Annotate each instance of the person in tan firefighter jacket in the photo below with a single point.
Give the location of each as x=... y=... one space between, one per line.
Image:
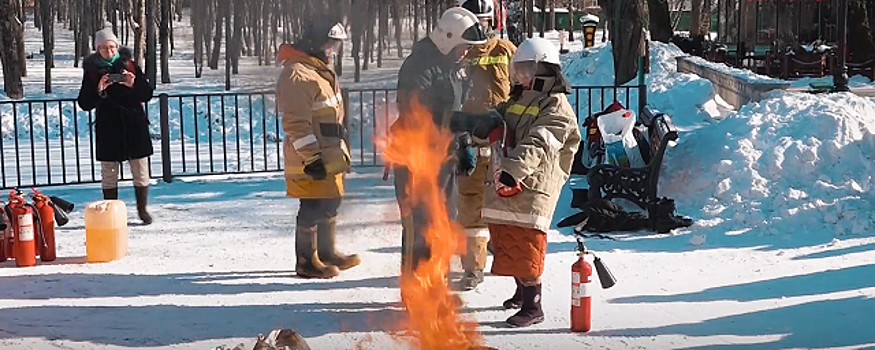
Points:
x=316 y=155
x=488 y=71
x=434 y=76
x=533 y=146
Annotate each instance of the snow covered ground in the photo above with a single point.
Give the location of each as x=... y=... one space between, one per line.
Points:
x=781 y=255
x=218 y=267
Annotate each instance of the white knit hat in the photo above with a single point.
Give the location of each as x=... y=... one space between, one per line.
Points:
x=103 y=36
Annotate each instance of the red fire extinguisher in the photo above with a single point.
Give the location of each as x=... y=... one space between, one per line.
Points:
x=581 y=300
x=23 y=228
x=581 y=287
x=46 y=218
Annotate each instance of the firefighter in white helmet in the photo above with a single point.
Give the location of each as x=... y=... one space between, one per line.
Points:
x=316 y=155
x=433 y=74
x=488 y=69
x=540 y=136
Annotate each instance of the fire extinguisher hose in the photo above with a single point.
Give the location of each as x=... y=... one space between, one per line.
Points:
x=41 y=230
x=3 y=224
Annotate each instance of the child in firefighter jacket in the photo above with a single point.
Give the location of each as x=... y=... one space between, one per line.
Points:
x=533 y=149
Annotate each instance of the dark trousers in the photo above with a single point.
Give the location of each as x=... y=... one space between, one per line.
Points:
x=414 y=216
x=315 y=210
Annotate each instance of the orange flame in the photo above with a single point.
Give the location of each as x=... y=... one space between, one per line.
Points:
x=433 y=313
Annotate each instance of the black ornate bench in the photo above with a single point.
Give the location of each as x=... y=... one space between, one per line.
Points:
x=638 y=185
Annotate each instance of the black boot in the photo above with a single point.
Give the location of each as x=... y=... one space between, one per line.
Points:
x=516 y=301
x=142 y=194
x=110 y=193
x=308 y=264
x=662 y=216
x=531 y=312
x=325 y=241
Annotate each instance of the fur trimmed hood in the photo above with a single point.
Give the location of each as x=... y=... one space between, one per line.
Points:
x=91 y=63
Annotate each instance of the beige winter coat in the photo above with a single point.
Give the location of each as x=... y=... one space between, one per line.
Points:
x=544 y=128
x=309 y=99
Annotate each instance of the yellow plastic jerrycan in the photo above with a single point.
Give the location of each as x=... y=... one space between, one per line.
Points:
x=106 y=230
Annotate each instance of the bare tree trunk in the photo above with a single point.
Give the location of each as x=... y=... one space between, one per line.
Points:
x=11 y=65
x=237 y=41
x=530 y=17
x=396 y=20
x=860 y=44
x=74 y=26
x=660 y=20
x=112 y=15
x=84 y=29
x=369 y=34
x=551 y=25
x=627 y=39
x=357 y=26
x=37 y=21
x=427 y=11
x=267 y=16
x=695 y=17
x=18 y=33
x=151 y=42
x=383 y=27
x=705 y=25
x=574 y=20
x=165 y=38
x=198 y=22
x=226 y=10
x=139 y=23
x=170 y=28
x=416 y=20
x=542 y=4
x=256 y=30
x=47 y=20
x=219 y=12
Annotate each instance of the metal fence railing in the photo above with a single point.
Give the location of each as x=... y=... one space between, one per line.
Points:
x=52 y=142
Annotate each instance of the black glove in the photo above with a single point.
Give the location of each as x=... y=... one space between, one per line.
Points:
x=479 y=125
x=316 y=169
x=507 y=179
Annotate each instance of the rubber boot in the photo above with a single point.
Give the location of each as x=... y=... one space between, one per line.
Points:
x=473 y=262
x=516 y=301
x=531 y=312
x=110 y=193
x=142 y=194
x=325 y=241
x=308 y=264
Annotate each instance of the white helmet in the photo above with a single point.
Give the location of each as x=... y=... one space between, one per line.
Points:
x=537 y=50
x=457 y=26
x=337 y=32
x=480 y=8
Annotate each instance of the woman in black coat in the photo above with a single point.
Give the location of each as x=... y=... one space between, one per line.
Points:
x=117 y=89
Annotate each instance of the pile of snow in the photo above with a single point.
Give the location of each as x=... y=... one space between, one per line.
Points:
x=792 y=162
x=688 y=98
